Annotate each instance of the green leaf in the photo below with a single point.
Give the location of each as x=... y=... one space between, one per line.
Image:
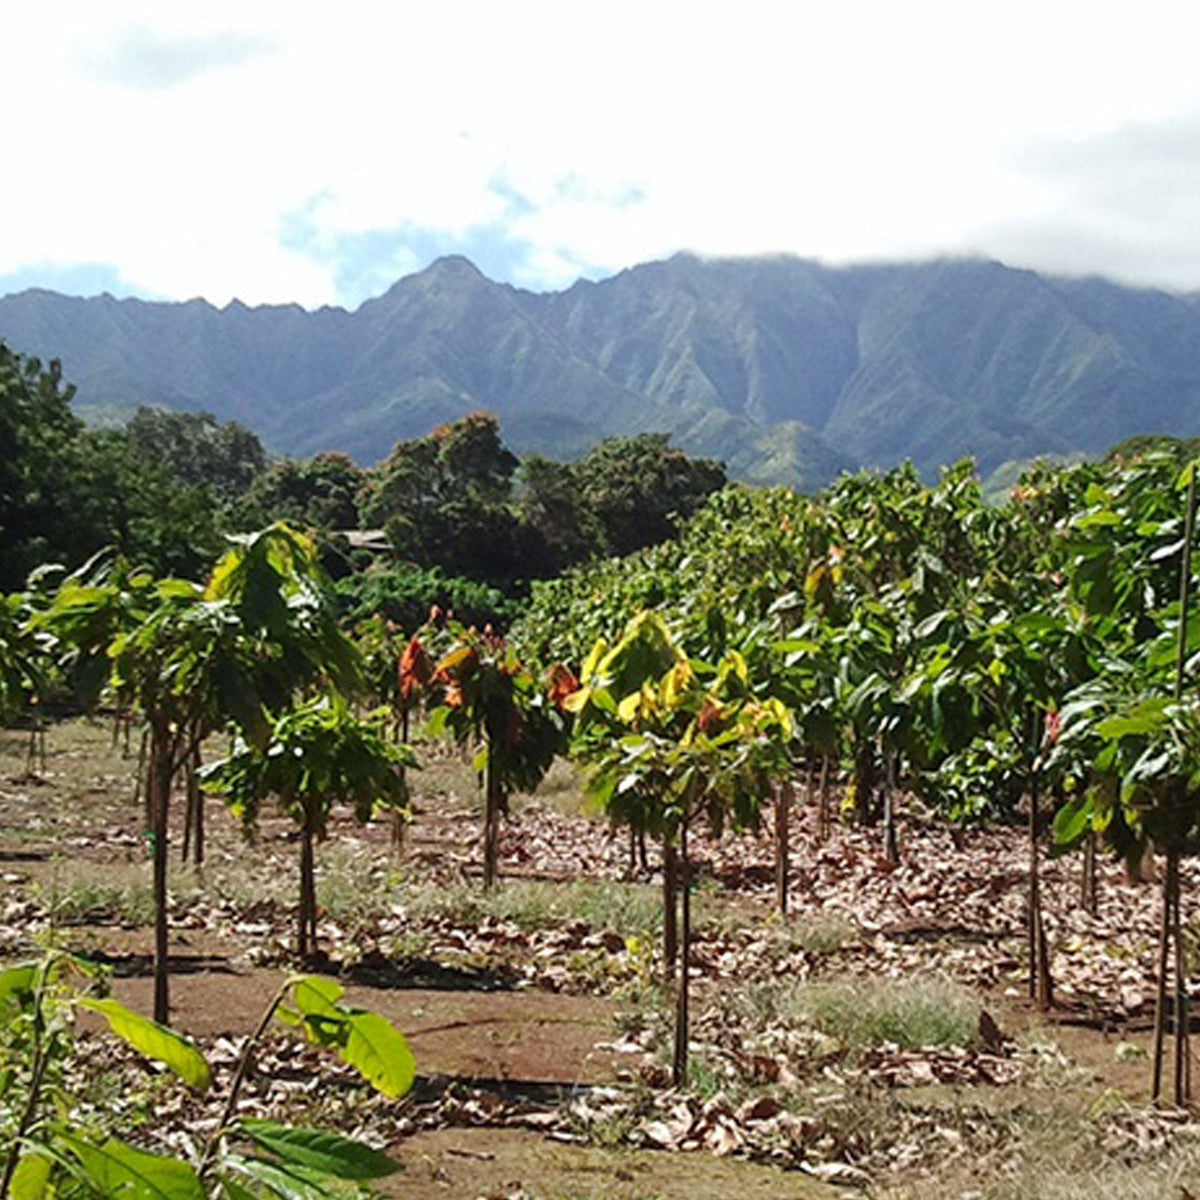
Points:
x=232 y=1190
x=1072 y=821
x=16 y=985
x=1145 y=719
x=282 y=1180
x=378 y=1051
x=1106 y=518
x=155 y=1041
x=319 y=1149
x=364 y=1040
x=31 y=1176
x=317 y=1009
x=314 y=994
x=118 y=1171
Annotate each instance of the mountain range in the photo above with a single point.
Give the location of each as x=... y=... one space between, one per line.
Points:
x=786 y=369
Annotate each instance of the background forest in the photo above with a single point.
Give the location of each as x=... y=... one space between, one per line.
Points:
x=459 y=520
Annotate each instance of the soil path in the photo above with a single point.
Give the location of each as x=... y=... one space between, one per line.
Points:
x=526 y=1036
x=472 y=1164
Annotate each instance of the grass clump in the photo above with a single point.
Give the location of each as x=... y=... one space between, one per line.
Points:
x=912 y=1014
x=821 y=934
x=624 y=908
x=85 y=899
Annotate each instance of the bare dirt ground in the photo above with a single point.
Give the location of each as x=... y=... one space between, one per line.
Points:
x=536 y=1019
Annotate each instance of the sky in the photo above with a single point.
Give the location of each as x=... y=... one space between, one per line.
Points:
x=295 y=153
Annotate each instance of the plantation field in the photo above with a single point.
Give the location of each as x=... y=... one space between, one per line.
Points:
x=876 y=1039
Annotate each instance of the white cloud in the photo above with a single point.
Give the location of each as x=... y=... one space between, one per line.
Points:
x=180 y=145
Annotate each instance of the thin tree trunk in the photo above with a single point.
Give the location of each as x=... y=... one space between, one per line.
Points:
x=400 y=819
x=679 y=1065
x=864 y=784
x=493 y=805
x=1166 y=925
x=140 y=790
x=1040 y=983
x=1089 y=894
x=37 y=746
x=158 y=797
x=1182 y=1064
x=823 y=820
x=670 y=924
x=306 y=924
x=891 y=845
x=783 y=812
x=1170 y=930
x=194 y=783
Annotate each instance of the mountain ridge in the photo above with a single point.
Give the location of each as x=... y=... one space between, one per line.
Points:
x=787 y=369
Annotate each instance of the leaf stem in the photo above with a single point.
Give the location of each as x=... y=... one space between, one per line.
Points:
x=41 y=1061
x=239 y=1077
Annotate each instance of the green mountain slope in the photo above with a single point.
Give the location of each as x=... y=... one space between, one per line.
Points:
x=788 y=370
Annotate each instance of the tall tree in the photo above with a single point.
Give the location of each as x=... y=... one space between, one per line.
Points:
x=640 y=487
x=444 y=500
x=318 y=493
x=196 y=448
x=39 y=519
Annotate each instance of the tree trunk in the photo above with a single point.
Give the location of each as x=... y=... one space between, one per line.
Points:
x=1041 y=988
x=306 y=923
x=493 y=807
x=783 y=812
x=670 y=924
x=824 y=819
x=1182 y=1058
x=1089 y=893
x=159 y=770
x=141 y=791
x=1171 y=943
x=891 y=845
x=198 y=832
x=679 y=1063
x=864 y=784
x=400 y=819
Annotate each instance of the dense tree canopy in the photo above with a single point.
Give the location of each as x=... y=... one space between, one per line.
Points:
x=38 y=469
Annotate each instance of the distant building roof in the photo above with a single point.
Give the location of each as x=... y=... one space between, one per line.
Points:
x=365 y=539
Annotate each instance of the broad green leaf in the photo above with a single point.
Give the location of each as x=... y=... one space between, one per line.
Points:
x=155 y=1041
x=316 y=994
x=319 y=1149
x=796 y=646
x=1105 y=518
x=118 y=1171
x=286 y=1181
x=1072 y=821
x=232 y=1190
x=1145 y=719
x=317 y=1009
x=31 y=1176
x=17 y=984
x=378 y=1051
